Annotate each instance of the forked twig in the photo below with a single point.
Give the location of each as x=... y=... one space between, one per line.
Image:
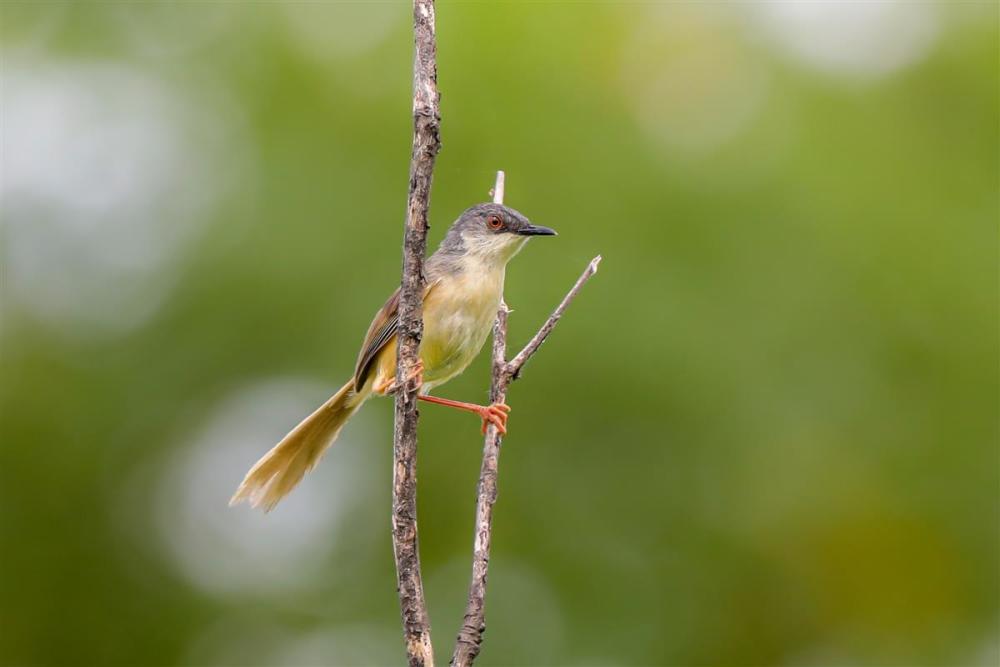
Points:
x=470 y=636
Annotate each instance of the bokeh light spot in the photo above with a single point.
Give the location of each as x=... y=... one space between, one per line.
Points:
x=225 y=550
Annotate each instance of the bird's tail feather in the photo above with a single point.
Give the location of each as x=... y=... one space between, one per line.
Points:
x=278 y=471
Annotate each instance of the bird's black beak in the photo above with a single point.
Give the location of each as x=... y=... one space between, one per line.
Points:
x=536 y=230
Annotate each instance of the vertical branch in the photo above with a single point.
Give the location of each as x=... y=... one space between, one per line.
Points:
x=470 y=636
x=426 y=143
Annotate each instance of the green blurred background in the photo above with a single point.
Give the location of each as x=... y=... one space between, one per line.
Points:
x=765 y=434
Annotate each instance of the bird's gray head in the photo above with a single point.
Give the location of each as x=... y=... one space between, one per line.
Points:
x=490 y=232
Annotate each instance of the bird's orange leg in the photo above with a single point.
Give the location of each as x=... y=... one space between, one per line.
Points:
x=495 y=414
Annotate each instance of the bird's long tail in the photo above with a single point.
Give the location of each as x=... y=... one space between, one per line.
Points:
x=278 y=471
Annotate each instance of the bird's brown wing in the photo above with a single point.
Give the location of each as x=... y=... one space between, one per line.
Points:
x=381 y=332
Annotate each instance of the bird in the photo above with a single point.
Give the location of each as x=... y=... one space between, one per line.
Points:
x=464 y=289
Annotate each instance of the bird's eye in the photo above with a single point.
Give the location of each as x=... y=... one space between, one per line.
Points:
x=494 y=222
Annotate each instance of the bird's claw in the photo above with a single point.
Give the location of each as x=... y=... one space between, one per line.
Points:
x=392 y=386
x=417 y=374
x=495 y=414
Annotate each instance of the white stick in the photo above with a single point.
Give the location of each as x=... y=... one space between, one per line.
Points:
x=497 y=190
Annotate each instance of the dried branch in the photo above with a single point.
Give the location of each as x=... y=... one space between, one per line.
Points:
x=515 y=365
x=470 y=636
x=426 y=144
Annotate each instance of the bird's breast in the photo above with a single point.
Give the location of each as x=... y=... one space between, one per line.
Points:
x=458 y=316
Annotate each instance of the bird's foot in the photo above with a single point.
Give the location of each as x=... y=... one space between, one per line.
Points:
x=417 y=374
x=381 y=387
x=495 y=414
x=390 y=386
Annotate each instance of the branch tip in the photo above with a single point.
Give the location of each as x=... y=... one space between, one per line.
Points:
x=497 y=191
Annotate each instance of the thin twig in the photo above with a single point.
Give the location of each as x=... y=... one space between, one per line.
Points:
x=470 y=637
x=515 y=364
x=426 y=144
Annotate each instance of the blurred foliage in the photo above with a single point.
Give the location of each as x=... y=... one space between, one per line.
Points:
x=766 y=433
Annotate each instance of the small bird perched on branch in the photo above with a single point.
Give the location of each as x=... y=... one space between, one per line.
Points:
x=465 y=279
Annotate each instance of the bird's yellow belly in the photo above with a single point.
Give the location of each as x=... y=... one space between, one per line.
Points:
x=458 y=316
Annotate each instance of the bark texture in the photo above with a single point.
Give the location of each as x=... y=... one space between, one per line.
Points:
x=470 y=637
x=426 y=144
